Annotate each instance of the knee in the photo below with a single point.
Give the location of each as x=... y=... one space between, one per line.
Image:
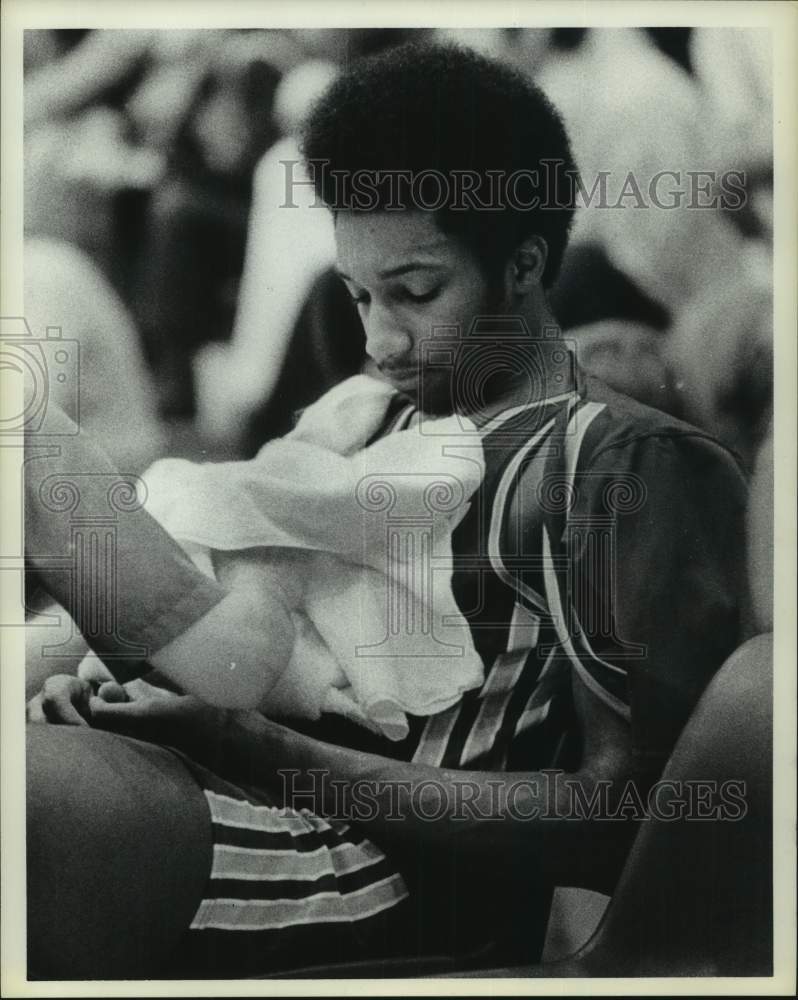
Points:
x=730 y=732
x=741 y=690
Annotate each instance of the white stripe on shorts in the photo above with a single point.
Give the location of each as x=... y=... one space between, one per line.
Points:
x=322 y=908
x=243 y=815
x=257 y=864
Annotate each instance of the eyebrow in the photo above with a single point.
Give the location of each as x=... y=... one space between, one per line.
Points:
x=395 y=272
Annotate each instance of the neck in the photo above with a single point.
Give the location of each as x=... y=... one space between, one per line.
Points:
x=545 y=369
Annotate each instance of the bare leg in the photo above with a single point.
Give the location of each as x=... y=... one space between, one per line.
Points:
x=119 y=851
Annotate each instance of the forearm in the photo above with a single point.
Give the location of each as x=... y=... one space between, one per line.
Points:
x=227 y=647
x=230 y=657
x=534 y=815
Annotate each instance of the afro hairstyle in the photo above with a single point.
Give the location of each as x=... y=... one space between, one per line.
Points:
x=418 y=109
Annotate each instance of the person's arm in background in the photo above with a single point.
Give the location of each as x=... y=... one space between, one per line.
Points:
x=209 y=641
x=99 y=61
x=289 y=244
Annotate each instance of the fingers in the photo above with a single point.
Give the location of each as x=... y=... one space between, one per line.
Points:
x=112 y=692
x=101 y=710
x=65 y=700
x=34 y=712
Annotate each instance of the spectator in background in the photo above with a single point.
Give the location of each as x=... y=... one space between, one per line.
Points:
x=90 y=135
x=681 y=315
x=720 y=348
x=632 y=109
x=149 y=76
x=43 y=45
x=193 y=250
x=287 y=249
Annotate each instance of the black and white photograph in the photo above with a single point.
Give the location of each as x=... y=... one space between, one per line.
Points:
x=393 y=419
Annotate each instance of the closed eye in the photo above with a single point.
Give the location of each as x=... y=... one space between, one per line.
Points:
x=425 y=296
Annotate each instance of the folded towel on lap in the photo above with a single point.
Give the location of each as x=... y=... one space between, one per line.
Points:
x=357 y=537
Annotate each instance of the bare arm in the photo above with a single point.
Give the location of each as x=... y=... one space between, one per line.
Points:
x=531 y=815
x=224 y=644
x=100 y=60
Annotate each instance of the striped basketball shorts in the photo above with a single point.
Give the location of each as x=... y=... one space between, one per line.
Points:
x=287 y=889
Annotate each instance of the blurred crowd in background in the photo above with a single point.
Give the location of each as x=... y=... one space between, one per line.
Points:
x=207 y=315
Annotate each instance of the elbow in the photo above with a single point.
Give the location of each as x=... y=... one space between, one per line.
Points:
x=254 y=663
x=239 y=686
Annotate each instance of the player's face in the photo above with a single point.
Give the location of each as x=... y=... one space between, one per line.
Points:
x=407 y=279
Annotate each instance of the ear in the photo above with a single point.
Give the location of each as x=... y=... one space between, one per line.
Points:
x=527 y=266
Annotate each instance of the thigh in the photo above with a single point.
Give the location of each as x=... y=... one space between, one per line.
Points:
x=118 y=854
x=288 y=889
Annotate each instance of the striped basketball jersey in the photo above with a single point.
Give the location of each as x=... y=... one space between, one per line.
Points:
x=602 y=547
x=605 y=541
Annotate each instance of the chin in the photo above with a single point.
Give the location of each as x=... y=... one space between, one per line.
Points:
x=431 y=403
x=434 y=396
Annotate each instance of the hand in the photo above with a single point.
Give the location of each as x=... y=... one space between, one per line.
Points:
x=94 y=672
x=156 y=715
x=64 y=700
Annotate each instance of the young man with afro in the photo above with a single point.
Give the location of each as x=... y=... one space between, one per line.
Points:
x=598 y=569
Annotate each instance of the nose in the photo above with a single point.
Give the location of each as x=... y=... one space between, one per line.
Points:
x=386 y=339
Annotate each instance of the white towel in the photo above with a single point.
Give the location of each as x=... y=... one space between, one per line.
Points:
x=360 y=540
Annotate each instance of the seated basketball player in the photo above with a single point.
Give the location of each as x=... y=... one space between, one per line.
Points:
x=597 y=567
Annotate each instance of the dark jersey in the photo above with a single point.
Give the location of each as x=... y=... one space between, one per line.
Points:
x=606 y=539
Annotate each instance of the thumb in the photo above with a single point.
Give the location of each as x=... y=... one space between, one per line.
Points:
x=110 y=691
